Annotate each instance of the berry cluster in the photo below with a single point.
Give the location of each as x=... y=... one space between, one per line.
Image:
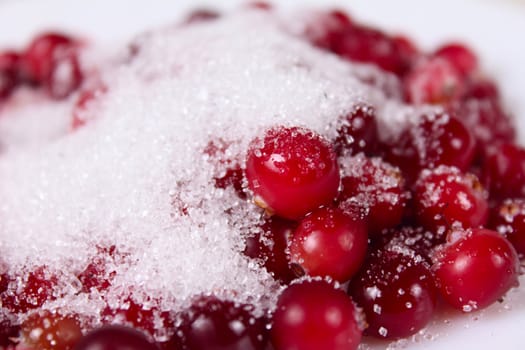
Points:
x=437 y=212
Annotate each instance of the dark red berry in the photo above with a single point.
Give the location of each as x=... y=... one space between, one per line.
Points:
x=475 y=269
x=357 y=132
x=51 y=60
x=9 y=334
x=396 y=292
x=330 y=242
x=504 y=171
x=433 y=81
x=312 y=315
x=509 y=219
x=445 y=197
x=460 y=56
x=412 y=239
x=50 y=331
x=215 y=324
x=292 y=171
x=377 y=188
x=367 y=45
x=435 y=139
x=115 y=338
x=270 y=247
x=9 y=72
x=30 y=291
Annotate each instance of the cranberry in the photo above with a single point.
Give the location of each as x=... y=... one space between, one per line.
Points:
x=509 y=219
x=368 y=45
x=202 y=15
x=326 y=27
x=96 y=275
x=476 y=268
x=9 y=334
x=377 y=187
x=504 y=171
x=436 y=139
x=482 y=89
x=270 y=247
x=396 y=292
x=9 y=71
x=486 y=119
x=330 y=242
x=407 y=50
x=357 y=132
x=434 y=81
x=460 y=56
x=313 y=315
x=51 y=60
x=30 y=292
x=413 y=239
x=215 y=324
x=445 y=197
x=46 y=330
x=292 y=171
x=115 y=338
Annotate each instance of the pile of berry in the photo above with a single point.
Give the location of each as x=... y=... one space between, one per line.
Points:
x=365 y=233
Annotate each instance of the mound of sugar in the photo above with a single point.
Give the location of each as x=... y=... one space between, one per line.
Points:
x=137 y=177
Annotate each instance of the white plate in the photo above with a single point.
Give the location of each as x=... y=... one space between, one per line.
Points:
x=493 y=28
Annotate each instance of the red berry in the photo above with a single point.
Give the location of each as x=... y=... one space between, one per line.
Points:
x=396 y=292
x=215 y=324
x=50 y=331
x=377 y=188
x=270 y=247
x=9 y=72
x=330 y=242
x=30 y=291
x=115 y=338
x=368 y=45
x=413 y=239
x=97 y=274
x=504 y=171
x=51 y=60
x=460 y=56
x=292 y=171
x=509 y=219
x=436 y=139
x=326 y=27
x=482 y=89
x=357 y=132
x=313 y=315
x=434 y=81
x=407 y=50
x=445 y=197
x=475 y=269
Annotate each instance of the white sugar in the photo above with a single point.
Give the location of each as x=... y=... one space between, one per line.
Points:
x=136 y=176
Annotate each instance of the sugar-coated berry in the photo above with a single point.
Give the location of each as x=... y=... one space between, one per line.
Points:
x=475 y=268
x=446 y=197
x=312 y=315
x=215 y=324
x=508 y=218
x=397 y=293
x=330 y=242
x=292 y=171
x=115 y=338
x=46 y=330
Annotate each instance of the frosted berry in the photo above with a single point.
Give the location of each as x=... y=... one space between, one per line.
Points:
x=509 y=219
x=460 y=56
x=434 y=81
x=397 y=294
x=330 y=242
x=357 y=132
x=51 y=60
x=504 y=171
x=211 y=323
x=475 y=269
x=446 y=197
x=115 y=338
x=415 y=239
x=292 y=171
x=312 y=315
x=270 y=247
x=45 y=330
x=376 y=187
x=9 y=72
